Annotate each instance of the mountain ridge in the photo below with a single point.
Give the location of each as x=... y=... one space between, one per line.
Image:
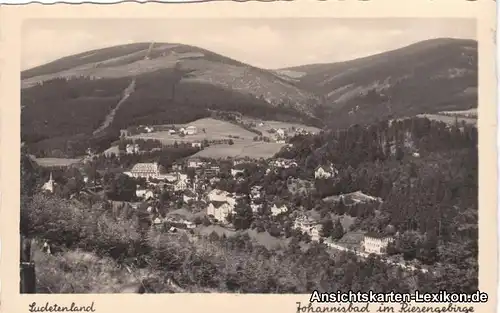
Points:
x=175 y=83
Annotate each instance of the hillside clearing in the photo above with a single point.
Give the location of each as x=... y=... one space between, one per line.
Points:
x=277 y=124
x=49 y=162
x=214 y=130
x=262 y=238
x=241 y=149
x=448 y=119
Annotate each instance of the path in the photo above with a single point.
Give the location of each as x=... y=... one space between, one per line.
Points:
x=366 y=255
x=126 y=93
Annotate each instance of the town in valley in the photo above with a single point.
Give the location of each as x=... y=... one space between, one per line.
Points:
x=158 y=168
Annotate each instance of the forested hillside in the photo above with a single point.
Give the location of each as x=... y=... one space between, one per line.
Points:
x=425 y=173
x=429 y=76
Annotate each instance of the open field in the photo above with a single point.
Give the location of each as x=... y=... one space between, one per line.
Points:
x=470 y=111
x=449 y=119
x=263 y=238
x=241 y=149
x=49 y=162
x=277 y=124
x=214 y=130
x=243 y=146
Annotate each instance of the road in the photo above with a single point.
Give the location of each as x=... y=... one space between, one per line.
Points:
x=366 y=255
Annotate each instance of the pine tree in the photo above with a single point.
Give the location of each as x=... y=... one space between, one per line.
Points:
x=338 y=230
x=326 y=228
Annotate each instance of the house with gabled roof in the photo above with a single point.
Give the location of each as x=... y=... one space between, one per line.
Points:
x=146 y=170
x=325 y=172
x=376 y=243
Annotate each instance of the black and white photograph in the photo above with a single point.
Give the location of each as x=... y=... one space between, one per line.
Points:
x=249 y=155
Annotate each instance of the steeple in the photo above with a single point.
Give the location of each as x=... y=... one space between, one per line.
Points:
x=49 y=185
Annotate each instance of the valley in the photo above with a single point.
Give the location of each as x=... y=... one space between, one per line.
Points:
x=201 y=173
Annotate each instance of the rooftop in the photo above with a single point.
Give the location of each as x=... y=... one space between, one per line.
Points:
x=145 y=167
x=376 y=235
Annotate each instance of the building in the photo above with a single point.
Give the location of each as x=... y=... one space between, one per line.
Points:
x=220 y=210
x=276 y=210
x=308 y=226
x=177 y=167
x=196 y=144
x=236 y=172
x=221 y=196
x=158 y=223
x=49 y=185
x=190 y=130
x=144 y=194
x=195 y=163
x=132 y=148
x=283 y=163
x=325 y=172
x=146 y=170
x=376 y=243
x=181 y=183
x=212 y=171
x=238 y=162
x=255 y=192
x=187 y=199
x=221 y=204
x=256 y=207
x=280 y=133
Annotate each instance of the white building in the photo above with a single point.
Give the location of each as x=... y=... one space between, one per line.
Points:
x=49 y=185
x=221 y=204
x=145 y=194
x=283 y=163
x=190 y=130
x=146 y=170
x=308 y=226
x=220 y=210
x=375 y=243
x=255 y=207
x=324 y=172
x=255 y=192
x=239 y=161
x=195 y=163
x=236 y=172
x=275 y=210
x=280 y=132
x=132 y=148
x=196 y=144
x=187 y=199
x=181 y=182
x=220 y=196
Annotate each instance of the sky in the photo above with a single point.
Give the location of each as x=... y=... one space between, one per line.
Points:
x=267 y=43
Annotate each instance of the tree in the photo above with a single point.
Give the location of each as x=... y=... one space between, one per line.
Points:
x=428 y=252
x=326 y=228
x=408 y=245
x=338 y=230
x=243 y=216
x=340 y=208
x=119 y=187
x=231 y=142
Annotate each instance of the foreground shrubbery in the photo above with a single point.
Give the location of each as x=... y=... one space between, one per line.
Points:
x=197 y=264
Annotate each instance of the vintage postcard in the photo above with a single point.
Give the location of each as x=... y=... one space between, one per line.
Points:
x=303 y=156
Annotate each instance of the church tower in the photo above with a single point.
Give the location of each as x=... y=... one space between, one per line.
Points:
x=49 y=185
